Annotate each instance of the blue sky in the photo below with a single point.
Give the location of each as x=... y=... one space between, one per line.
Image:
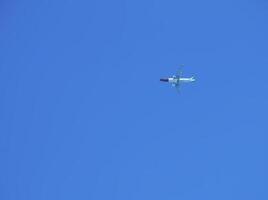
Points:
x=84 y=116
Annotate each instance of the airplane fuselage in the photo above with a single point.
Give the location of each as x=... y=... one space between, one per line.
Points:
x=175 y=80
x=187 y=80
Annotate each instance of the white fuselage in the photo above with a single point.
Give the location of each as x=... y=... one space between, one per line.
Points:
x=180 y=80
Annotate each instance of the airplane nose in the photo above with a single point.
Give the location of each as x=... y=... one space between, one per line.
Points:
x=164 y=79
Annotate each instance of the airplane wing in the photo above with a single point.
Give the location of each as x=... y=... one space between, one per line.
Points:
x=178 y=75
x=177 y=87
x=179 y=72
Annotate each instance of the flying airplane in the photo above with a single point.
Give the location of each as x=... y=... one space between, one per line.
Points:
x=177 y=79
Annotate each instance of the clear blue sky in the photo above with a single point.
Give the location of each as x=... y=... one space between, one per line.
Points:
x=84 y=116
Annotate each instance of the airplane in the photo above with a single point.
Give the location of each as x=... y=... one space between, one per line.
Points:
x=177 y=79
